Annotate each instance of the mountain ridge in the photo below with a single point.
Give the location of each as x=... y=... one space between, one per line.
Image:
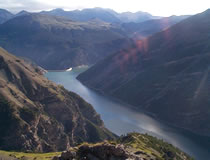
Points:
x=5 y=15
x=107 y=15
x=59 y=43
x=145 y=29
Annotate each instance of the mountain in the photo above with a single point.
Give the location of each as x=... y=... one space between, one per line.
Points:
x=150 y=27
x=106 y=15
x=137 y=17
x=37 y=115
x=21 y=13
x=5 y=15
x=85 y=14
x=133 y=146
x=58 y=43
x=166 y=74
x=135 y=24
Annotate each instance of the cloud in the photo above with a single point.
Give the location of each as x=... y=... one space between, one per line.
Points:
x=157 y=7
x=29 y=5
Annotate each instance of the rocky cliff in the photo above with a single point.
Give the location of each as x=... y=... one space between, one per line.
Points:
x=37 y=115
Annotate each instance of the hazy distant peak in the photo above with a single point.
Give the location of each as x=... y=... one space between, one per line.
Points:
x=5 y=15
x=104 y=14
x=135 y=17
x=207 y=11
x=23 y=12
x=174 y=17
x=99 y=9
x=4 y=10
x=58 y=10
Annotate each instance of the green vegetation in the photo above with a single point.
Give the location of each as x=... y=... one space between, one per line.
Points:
x=28 y=156
x=144 y=143
x=131 y=146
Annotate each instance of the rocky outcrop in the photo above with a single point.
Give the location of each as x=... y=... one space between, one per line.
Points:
x=131 y=147
x=104 y=151
x=38 y=115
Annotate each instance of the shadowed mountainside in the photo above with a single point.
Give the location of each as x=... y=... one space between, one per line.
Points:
x=142 y=30
x=58 y=43
x=166 y=74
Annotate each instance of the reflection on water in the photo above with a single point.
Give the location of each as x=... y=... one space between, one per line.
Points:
x=120 y=119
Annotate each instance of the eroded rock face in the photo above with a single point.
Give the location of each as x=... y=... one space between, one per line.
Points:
x=103 y=151
x=38 y=115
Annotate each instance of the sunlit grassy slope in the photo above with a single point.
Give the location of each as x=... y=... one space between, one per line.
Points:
x=5 y=155
x=144 y=145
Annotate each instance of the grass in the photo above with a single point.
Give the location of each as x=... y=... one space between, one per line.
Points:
x=147 y=146
x=28 y=156
x=152 y=146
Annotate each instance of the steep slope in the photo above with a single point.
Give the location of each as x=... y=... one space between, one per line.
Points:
x=37 y=115
x=150 y=27
x=58 y=43
x=133 y=146
x=166 y=74
x=5 y=15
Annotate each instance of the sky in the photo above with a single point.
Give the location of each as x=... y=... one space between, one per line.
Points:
x=155 y=7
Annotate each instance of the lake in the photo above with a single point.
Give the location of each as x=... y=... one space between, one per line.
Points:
x=120 y=119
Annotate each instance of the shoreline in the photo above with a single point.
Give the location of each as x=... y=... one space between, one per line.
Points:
x=140 y=110
x=134 y=108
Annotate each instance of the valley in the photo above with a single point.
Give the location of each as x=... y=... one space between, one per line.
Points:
x=119 y=118
x=54 y=41
x=81 y=83
x=164 y=74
